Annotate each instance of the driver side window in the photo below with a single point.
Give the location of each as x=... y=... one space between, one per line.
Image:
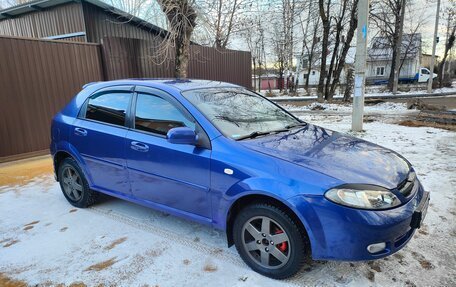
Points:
x=157 y=115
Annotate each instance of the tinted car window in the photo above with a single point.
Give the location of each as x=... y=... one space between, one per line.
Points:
x=157 y=115
x=238 y=112
x=108 y=108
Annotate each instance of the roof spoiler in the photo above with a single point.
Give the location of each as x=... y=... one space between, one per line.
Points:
x=88 y=84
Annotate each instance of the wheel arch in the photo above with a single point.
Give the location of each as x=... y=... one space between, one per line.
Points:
x=248 y=199
x=68 y=151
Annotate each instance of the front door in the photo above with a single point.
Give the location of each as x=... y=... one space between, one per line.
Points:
x=173 y=175
x=98 y=134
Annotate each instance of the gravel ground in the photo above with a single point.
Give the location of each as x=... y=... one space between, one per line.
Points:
x=45 y=241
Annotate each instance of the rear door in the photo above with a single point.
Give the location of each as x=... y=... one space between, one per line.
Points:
x=99 y=133
x=173 y=175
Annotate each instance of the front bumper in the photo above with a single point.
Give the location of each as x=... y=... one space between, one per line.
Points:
x=341 y=233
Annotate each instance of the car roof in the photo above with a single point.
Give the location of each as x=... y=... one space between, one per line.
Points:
x=178 y=84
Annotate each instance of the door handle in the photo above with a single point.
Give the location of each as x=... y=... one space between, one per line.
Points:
x=137 y=146
x=80 y=132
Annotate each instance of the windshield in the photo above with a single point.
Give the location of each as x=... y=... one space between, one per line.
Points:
x=238 y=113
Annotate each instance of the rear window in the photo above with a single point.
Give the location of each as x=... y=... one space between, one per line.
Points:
x=108 y=108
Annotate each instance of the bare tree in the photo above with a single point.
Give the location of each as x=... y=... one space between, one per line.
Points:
x=223 y=18
x=339 y=21
x=282 y=39
x=342 y=42
x=280 y=53
x=324 y=9
x=181 y=17
x=450 y=39
x=310 y=28
x=283 y=25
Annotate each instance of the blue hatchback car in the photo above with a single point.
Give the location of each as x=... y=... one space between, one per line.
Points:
x=283 y=190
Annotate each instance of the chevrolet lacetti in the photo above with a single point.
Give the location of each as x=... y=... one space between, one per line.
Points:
x=283 y=190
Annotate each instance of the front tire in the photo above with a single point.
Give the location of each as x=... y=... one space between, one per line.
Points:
x=270 y=241
x=74 y=184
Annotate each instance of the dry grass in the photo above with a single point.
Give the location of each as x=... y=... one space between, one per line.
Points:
x=32 y=223
x=28 y=227
x=115 y=243
x=73 y=210
x=12 y=242
x=63 y=229
x=210 y=267
x=102 y=265
x=5 y=240
x=425 y=264
x=416 y=123
x=8 y=282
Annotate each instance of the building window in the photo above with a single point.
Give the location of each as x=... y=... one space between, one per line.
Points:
x=380 y=71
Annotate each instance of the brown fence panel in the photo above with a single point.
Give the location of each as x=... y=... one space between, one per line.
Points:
x=136 y=58
x=37 y=79
x=220 y=65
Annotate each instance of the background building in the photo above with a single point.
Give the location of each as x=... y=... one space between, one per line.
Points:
x=379 y=58
x=80 y=21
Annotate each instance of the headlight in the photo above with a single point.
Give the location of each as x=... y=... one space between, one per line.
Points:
x=367 y=197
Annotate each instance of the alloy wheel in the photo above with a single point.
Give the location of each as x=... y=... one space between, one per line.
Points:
x=72 y=183
x=266 y=242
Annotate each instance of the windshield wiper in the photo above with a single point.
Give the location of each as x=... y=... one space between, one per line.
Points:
x=253 y=135
x=296 y=125
x=258 y=133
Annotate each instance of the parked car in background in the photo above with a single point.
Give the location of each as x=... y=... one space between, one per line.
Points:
x=421 y=76
x=283 y=190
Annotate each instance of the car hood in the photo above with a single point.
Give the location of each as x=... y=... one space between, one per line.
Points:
x=341 y=156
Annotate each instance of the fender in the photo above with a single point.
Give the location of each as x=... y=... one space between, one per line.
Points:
x=223 y=201
x=64 y=146
x=303 y=208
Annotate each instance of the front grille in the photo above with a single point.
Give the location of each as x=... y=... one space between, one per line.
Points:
x=406 y=186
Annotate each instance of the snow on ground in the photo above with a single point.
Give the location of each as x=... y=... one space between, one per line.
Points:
x=44 y=240
x=384 y=107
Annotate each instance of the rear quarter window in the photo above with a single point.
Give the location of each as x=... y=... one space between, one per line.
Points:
x=108 y=108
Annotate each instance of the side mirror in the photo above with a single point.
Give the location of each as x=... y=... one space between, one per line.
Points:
x=182 y=135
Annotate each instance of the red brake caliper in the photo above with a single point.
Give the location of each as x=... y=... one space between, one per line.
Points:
x=282 y=246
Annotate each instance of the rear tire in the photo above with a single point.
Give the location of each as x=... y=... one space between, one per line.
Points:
x=255 y=229
x=74 y=184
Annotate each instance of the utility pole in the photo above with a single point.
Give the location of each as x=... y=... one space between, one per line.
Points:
x=360 y=65
x=434 y=43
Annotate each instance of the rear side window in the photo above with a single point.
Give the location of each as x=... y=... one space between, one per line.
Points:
x=157 y=115
x=109 y=108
